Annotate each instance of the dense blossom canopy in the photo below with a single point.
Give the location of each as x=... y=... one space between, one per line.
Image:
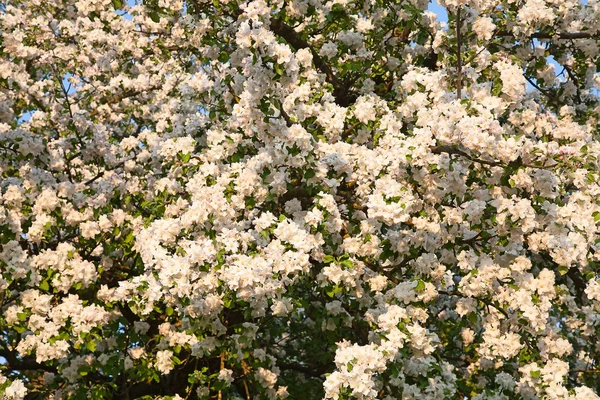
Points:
x=303 y=199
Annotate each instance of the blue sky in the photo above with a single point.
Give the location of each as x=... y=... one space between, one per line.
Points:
x=439 y=10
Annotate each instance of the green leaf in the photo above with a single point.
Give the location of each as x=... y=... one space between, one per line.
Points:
x=224 y=57
x=596 y=216
x=91 y=345
x=496 y=89
x=279 y=69
x=563 y=270
x=420 y=285
x=220 y=258
x=169 y=311
x=154 y=16
x=129 y=238
x=83 y=370
x=472 y=317
x=333 y=291
x=250 y=202
x=328 y=259
x=589 y=276
x=310 y=173
x=536 y=374
x=44 y=285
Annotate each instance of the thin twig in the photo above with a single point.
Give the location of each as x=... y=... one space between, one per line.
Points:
x=452 y=150
x=350 y=129
x=546 y=93
x=575 y=80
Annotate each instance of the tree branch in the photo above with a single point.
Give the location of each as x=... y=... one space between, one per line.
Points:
x=546 y=93
x=286 y=32
x=565 y=35
x=25 y=364
x=340 y=91
x=453 y=150
x=312 y=372
x=575 y=80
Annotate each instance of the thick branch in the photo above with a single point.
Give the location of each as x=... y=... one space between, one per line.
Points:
x=26 y=364
x=141 y=389
x=308 y=371
x=280 y=28
x=578 y=281
x=286 y=32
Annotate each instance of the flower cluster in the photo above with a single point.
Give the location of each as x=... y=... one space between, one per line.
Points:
x=299 y=199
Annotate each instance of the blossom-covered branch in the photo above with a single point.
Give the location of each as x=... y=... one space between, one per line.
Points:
x=299 y=199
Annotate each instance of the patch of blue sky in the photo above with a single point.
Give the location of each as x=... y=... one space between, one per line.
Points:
x=440 y=11
x=124 y=13
x=69 y=87
x=25 y=117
